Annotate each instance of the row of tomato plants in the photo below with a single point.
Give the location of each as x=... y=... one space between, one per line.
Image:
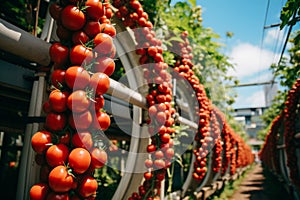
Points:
x=83 y=60
x=282 y=134
x=208 y=134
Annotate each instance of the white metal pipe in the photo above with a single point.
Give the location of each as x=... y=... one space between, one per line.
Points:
x=121 y=91
x=21 y=43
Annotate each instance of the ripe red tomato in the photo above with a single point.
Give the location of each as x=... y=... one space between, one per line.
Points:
x=103 y=44
x=159 y=154
x=60 y=180
x=148 y=163
x=46 y=107
x=159 y=164
x=160 y=176
x=151 y=148
x=72 y=18
x=169 y=153
x=58 y=196
x=58 y=100
x=100 y=83
x=80 y=37
x=77 y=77
x=95 y=9
x=79 y=160
x=99 y=158
x=108 y=13
x=98 y=104
x=38 y=191
x=83 y=140
x=165 y=138
x=55 y=121
x=104 y=19
x=80 y=55
x=78 y=101
x=148 y=175
x=135 y=5
x=59 y=53
x=54 y=10
x=81 y=121
x=58 y=78
x=88 y=186
x=109 y=29
x=41 y=141
x=105 y=65
x=57 y=155
x=65 y=139
x=63 y=33
x=101 y=121
x=92 y=28
x=161 y=117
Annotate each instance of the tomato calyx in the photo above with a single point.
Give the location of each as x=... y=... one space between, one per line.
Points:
x=90 y=94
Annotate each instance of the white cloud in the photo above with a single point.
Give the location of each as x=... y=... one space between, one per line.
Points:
x=249 y=59
x=256 y=99
x=274 y=36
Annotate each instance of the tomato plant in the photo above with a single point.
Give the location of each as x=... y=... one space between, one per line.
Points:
x=38 y=191
x=103 y=43
x=82 y=139
x=101 y=121
x=80 y=121
x=88 y=186
x=72 y=18
x=41 y=141
x=105 y=65
x=100 y=83
x=80 y=55
x=55 y=121
x=60 y=180
x=78 y=101
x=76 y=77
x=59 y=53
x=57 y=155
x=95 y=9
x=58 y=100
x=58 y=78
x=58 y=196
x=98 y=158
x=79 y=160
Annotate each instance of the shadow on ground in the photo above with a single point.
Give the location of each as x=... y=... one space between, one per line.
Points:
x=266 y=187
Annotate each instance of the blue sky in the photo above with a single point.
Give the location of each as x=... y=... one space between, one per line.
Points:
x=251 y=49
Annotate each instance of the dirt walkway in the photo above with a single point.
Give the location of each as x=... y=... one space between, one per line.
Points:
x=256 y=187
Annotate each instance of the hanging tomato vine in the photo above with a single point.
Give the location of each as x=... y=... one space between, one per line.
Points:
x=159 y=97
x=82 y=63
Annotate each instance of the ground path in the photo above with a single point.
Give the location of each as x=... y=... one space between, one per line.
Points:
x=260 y=185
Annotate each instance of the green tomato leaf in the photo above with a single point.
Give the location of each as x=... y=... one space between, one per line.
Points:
x=192 y=2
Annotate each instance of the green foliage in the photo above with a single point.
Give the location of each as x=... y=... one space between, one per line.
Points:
x=210 y=65
x=237 y=127
x=22 y=13
x=287 y=73
x=289 y=12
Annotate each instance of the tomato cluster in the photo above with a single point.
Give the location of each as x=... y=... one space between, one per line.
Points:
x=83 y=60
x=216 y=128
x=211 y=122
x=159 y=98
x=290 y=116
x=234 y=152
x=183 y=67
x=269 y=152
